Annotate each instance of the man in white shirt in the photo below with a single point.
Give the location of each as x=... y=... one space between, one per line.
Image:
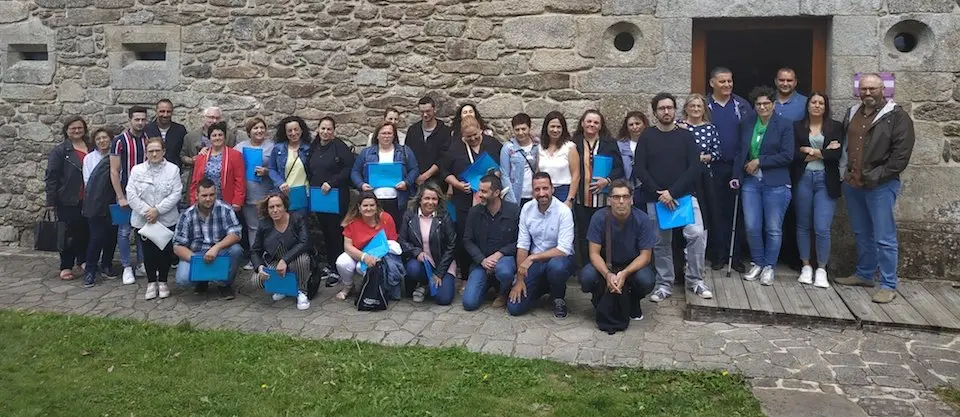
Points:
x=544 y=250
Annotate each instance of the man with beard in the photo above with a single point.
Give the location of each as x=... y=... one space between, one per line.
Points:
x=544 y=250
x=197 y=141
x=789 y=103
x=880 y=140
x=173 y=133
x=429 y=139
x=668 y=163
x=128 y=150
x=491 y=240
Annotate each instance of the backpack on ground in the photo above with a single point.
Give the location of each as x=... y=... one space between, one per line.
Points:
x=371 y=296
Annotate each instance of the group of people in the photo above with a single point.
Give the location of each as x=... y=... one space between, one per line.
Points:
x=540 y=218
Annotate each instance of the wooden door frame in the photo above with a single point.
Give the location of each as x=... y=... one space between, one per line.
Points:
x=818 y=26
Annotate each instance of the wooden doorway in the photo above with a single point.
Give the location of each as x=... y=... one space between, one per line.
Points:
x=754 y=48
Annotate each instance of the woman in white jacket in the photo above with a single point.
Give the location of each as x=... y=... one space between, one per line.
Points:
x=153 y=192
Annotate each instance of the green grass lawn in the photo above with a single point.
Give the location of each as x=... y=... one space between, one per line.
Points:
x=54 y=365
x=951 y=396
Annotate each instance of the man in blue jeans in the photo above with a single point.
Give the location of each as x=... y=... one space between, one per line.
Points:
x=635 y=236
x=128 y=149
x=490 y=237
x=544 y=250
x=880 y=140
x=209 y=228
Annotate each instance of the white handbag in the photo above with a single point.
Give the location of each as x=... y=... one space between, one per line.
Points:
x=157 y=233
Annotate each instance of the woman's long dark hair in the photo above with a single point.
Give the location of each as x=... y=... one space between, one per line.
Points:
x=602 y=133
x=281 y=135
x=826 y=107
x=545 y=136
x=455 y=124
x=625 y=130
x=353 y=212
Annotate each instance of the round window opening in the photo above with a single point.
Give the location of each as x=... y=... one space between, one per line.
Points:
x=905 y=42
x=623 y=41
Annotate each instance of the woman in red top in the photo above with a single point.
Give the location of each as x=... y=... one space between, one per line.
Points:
x=363 y=221
x=223 y=165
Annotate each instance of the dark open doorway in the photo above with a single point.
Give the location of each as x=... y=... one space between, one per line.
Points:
x=755 y=48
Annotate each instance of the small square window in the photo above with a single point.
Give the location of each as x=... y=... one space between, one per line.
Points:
x=27 y=52
x=144 y=52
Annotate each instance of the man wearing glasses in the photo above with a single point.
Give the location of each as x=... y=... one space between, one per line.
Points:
x=880 y=140
x=627 y=267
x=667 y=163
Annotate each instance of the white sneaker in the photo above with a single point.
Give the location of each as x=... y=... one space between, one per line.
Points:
x=821 y=280
x=753 y=273
x=806 y=275
x=248 y=266
x=151 y=291
x=162 y=290
x=302 y=302
x=766 y=277
x=278 y=297
x=658 y=295
x=141 y=270
x=419 y=294
x=128 y=277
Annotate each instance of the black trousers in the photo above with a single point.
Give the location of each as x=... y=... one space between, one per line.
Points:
x=581 y=220
x=460 y=251
x=718 y=240
x=157 y=261
x=77 y=236
x=330 y=245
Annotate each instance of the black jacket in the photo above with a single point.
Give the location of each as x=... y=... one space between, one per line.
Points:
x=429 y=151
x=99 y=192
x=605 y=147
x=64 y=176
x=479 y=224
x=331 y=164
x=832 y=131
x=173 y=142
x=457 y=161
x=267 y=244
x=443 y=238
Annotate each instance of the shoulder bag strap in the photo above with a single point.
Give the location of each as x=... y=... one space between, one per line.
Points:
x=609 y=252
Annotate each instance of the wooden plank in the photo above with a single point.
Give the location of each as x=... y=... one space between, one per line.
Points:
x=696 y=300
x=857 y=300
x=929 y=308
x=901 y=312
x=828 y=303
x=794 y=299
x=736 y=295
x=946 y=294
x=760 y=299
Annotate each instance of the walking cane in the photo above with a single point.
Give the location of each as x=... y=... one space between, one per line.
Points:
x=733 y=233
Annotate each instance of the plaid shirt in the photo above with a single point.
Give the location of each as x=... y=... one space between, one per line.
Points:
x=201 y=234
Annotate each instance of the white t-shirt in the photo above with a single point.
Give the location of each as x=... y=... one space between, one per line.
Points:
x=384 y=193
x=163 y=132
x=527 y=191
x=558 y=164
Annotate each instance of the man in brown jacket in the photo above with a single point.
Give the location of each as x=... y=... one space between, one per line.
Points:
x=880 y=140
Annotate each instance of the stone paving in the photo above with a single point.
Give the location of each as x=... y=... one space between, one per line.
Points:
x=885 y=372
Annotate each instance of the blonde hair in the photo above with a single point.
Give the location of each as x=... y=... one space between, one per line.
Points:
x=429 y=186
x=469 y=121
x=703 y=101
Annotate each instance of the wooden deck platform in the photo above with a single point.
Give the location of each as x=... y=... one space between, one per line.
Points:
x=927 y=305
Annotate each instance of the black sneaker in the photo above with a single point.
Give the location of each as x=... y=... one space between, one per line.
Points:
x=739 y=267
x=636 y=313
x=227 y=293
x=89 y=280
x=109 y=272
x=559 y=308
x=200 y=288
x=332 y=277
x=716 y=266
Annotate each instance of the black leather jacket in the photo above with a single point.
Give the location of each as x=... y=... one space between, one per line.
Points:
x=64 y=176
x=443 y=238
x=267 y=245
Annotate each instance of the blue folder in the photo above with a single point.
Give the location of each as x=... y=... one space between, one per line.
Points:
x=298 y=197
x=377 y=248
x=452 y=210
x=433 y=288
x=275 y=284
x=672 y=219
x=384 y=175
x=218 y=270
x=252 y=158
x=324 y=203
x=602 y=167
x=120 y=215
x=480 y=167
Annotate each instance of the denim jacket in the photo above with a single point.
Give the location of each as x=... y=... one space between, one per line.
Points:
x=278 y=162
x=512 y=163
x=402 y=154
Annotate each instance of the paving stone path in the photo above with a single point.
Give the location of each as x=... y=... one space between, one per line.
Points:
x=884 y=372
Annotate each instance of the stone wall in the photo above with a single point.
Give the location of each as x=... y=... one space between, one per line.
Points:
x=352 y=59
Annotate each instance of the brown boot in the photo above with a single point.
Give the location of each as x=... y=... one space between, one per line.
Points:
x=500 y=301
x=884 y=296
x=855 y=280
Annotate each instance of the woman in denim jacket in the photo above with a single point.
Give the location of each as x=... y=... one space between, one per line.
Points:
x=292 y=136
x=518 y=161
x=384 y=149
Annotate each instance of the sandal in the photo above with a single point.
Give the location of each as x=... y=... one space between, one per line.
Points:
x=66 y=274
x=344 y=293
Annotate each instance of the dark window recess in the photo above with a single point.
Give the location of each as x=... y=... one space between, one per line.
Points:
x=148 y=51
x=905 y=42
x=623 y=41
x=30 y=52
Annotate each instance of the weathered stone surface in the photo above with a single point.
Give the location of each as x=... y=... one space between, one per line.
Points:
x=479 y=29
x=239 y=71
x=70 y=90
x=470 y=67
x=546 y=81
x=203 y=33
x=372 y=77
x=458 y=48
x=572 y=6
x=595 y=37
x=943 y=33
x=510 y=8
x=938 y=112
x=444 y=28
x=951 y=129
x=29 y=93
x=842 y=70
x=928 y=148
x=783 y=403
x=854 y=35
x=81 y=17
x=628 y=7
x=558 y=60
x=14 y=11
x=641 y=80
x=553 y=31
x=113 y=4
x=677 y=34
x=736 y=8
x=840 y=7
x=913 y=6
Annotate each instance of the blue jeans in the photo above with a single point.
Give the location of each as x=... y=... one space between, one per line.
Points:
x=875 y=230
x=814 y=205
x=763 y=210
x=640 y=283
x=543 y=277
x=235 y=252
x=123 y=242
x=561 y=192
x=479 y=280
x=417 y=274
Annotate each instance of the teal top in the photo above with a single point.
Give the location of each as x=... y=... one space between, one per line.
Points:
x=816 y=142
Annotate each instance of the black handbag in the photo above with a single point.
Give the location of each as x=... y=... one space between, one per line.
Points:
x=50 y=234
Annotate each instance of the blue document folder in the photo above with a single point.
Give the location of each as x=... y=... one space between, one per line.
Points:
x=377 y=248
x=324 y=203
x=384 y=175
x=120 y=215
x=672 y=219
x=218 y=270
x=252 y=158
x=433 y=288
x=480 y=167
x=276 y=284
x=298 y=197
x=452 y=210
x=602 y=167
